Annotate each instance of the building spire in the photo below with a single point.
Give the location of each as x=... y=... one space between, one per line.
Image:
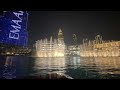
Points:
x=60 y=30
x=60 y=36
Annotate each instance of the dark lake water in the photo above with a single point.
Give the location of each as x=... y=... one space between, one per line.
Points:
x=19 y=67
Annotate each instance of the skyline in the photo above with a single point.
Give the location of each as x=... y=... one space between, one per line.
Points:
x=85 y=24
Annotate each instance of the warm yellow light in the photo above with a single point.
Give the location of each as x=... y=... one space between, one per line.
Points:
x=8 y=53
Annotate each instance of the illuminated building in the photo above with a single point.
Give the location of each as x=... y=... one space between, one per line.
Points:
x=99 y=48
x=73 y=50
x=52 y=47
x=13 y=31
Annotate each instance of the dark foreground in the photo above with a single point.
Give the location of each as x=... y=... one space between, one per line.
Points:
x=23 y=67
x=49 y=76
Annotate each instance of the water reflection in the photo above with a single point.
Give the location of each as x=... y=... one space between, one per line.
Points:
x=47 y=65
x=104 y=65
x=2 y=62
x=9 y=68
x=76 y=67
x=73 y=60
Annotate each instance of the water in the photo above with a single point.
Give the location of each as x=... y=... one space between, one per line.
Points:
x=20 y=67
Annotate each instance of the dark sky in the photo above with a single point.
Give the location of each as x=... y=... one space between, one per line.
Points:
x=85 y=24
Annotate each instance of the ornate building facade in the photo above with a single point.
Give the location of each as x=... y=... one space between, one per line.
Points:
x=98 y=47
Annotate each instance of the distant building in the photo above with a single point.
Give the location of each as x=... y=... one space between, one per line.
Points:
x=98 y=47
x=73 y=50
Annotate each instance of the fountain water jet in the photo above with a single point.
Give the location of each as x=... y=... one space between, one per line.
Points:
x=51 y=48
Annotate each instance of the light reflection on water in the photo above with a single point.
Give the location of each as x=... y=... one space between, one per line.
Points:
x=46 y=65
x=75 y=67
x=104 y=65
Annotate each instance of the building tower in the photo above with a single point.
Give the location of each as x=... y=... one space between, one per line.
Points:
x=74 y=39
x=60 y=37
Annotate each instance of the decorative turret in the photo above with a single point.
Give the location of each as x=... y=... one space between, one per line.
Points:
x=98 y=39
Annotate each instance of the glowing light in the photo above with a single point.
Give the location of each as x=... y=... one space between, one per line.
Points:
x=51 y=48
x=100 y=48
x=14 y=28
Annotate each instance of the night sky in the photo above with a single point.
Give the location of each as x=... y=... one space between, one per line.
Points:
x=85 y=24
